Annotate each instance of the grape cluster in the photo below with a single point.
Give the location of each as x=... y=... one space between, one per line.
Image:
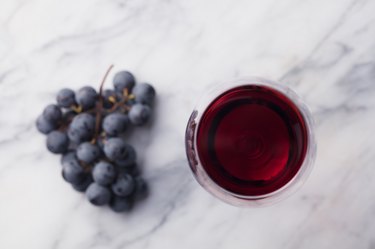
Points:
x=86 y=127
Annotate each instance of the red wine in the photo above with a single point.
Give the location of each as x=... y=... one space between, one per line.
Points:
x=252 y=140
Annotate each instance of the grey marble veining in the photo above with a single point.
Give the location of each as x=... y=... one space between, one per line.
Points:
x=324 y=50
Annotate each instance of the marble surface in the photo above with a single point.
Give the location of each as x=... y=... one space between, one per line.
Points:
x=324 y=50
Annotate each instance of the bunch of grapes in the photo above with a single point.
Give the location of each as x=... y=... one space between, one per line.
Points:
x=87 y=127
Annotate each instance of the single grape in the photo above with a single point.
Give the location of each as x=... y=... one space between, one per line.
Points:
x=82 y=128
x=121 y=204
x=44 y=126
x=88 y=152
x=124 y=185
x=104 y=173
x=115 y=124
x=67 y=157
x=144 y=93
x=98 y=195
x=82 y=186
x=53 y=114
x=122 y=80
x=73 y=172
x=57 y=142
x=86 y=97
x=129 y=160
x=115 y=149
x=66 y=98
x=139 y=114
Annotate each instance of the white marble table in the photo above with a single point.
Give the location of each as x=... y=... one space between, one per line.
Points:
x=325 y=50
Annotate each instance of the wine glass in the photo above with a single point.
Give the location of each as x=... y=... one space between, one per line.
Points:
x=250 y=141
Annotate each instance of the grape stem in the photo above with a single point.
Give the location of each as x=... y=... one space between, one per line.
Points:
x=100 y=106
x=122 y=103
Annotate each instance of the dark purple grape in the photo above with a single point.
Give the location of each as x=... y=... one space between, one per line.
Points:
x=129 y=160
x=139 y=114
x=144 y=93
x=124 y=185
x=115 y=124
x=53 y=114
x=57 y=142
x=123 y=80
x=82 y=186
x=98 y=195
x=66 y=98
x=86 y=97
x=115 y=149
x=104 y=173
x=44 y=126
x=73 y=172
x=88 y=152
x=82 y=128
